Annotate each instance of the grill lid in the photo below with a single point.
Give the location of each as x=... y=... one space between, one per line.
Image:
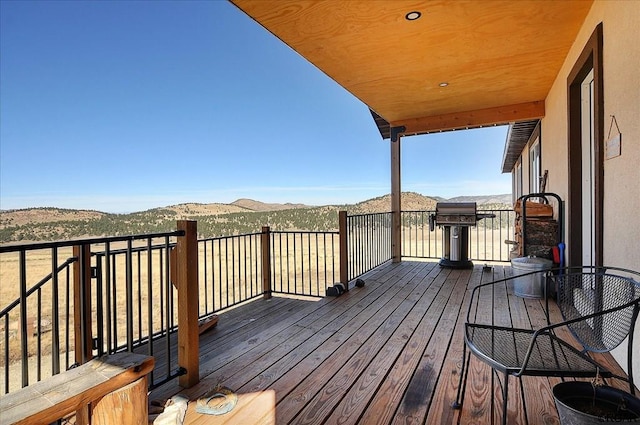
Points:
x=456 y=208
x=455 y=213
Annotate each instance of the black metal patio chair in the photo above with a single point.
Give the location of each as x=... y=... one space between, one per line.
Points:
x=599 y=306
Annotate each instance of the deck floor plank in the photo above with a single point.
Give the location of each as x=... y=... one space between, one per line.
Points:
x=537 y=394
x=237 y=326
x=261 y=358
x=424 y=357
x=386 y=353
x=445 y=392
x=370 y=300
x=536 y=309
x=516 y=315
x=342 y=364
x=315 y=350
x=395 y=355
x=481 y=392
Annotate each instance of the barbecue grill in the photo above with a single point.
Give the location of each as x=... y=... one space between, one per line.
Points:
x=455 y=218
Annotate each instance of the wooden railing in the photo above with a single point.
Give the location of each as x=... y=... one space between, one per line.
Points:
x=133 y=293
x=90 y=302
x=235 y=269
x=368 y=238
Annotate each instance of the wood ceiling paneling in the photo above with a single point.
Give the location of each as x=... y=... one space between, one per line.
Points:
x=498 y=57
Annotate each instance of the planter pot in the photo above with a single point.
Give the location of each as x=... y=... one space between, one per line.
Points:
x=579 y=403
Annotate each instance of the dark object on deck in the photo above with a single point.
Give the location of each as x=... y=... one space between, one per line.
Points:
x=360 y=283
x=599 y=308
x=455 y=219
x=207 y=323
x=335 y=290
x=583 y=403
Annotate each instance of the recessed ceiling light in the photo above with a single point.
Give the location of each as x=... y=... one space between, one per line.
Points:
x=412 y=16
x=443 y=84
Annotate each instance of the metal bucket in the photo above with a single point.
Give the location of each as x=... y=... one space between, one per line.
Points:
x=531 y=286
x=580 y=403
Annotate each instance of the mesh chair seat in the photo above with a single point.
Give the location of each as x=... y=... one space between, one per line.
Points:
x=506 y=349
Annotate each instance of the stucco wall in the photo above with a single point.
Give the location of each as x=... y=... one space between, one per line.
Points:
x=621 y=74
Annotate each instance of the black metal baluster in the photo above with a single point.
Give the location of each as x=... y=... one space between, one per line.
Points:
x=23 y=317
x=150 y=312
x=129 y=295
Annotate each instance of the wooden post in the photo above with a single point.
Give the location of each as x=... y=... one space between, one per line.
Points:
x=396 y=190
x=83 y=340
x=127 y=405
x=187 y=284
x=344 y=249
x=82 y=304
x=266 y=262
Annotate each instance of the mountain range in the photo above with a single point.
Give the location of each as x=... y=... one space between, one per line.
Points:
x=214 y=219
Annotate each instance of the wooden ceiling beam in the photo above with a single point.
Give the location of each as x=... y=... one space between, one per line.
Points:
x=473 y=119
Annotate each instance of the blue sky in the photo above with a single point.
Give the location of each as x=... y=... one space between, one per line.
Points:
x=123 y=106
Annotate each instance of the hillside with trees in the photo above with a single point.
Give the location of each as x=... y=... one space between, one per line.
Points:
x=240 y=217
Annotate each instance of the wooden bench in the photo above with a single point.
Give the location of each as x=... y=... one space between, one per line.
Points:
x=96 y=382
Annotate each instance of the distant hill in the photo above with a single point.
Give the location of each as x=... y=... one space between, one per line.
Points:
x=252 y=205
x=9 y=218
x=192 y=209
x=483 y=200
x=409 y=201
x=215 y=219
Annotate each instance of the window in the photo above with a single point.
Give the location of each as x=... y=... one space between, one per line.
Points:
x=517 y=180
x=534 y=167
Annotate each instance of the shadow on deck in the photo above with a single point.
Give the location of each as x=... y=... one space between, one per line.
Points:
x=386 y=353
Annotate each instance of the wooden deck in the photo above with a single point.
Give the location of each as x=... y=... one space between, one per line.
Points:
x=384 y=354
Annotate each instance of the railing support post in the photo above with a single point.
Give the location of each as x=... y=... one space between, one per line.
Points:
x=344 y=249
x=83 y=340
x=187 y=284
x=266 y=262
x=396 y=193
x=82 y=304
